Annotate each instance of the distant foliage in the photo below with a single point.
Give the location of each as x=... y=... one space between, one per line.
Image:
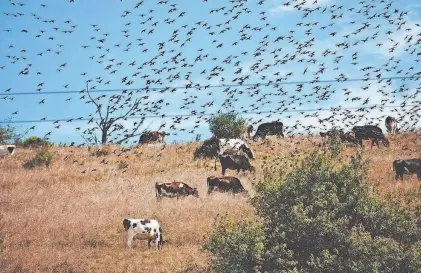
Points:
x=36 y=142
x=8 y=134
x=321 y=217
x=227 y=125
x=43 y=157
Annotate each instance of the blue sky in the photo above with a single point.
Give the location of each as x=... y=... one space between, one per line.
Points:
x=31 y=30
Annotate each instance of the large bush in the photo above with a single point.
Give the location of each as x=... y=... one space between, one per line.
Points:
x=227 y=125
x=35 y=142
x=320 y=217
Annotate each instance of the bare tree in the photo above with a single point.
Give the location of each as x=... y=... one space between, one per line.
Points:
x=109 y=121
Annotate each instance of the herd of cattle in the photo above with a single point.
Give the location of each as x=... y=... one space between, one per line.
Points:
x=235 y=154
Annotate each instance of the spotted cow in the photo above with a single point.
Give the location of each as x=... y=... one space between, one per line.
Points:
x=174 y=189
x=144 y=229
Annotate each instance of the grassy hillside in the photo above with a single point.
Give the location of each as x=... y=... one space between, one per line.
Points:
x=68 y=217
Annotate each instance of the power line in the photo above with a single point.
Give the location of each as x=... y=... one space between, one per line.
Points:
x=8 y=94
x=208 y=114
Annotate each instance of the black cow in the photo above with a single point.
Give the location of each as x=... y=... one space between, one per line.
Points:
x=174 y=189
x=391 y=125
x=235 y=162
x=370 y=132
x=225 y=184
x=409 y=166
x=270 y=128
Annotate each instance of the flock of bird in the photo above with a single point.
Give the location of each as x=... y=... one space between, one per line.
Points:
x=193 y=60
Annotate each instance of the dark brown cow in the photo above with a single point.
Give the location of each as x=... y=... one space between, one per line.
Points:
x=152 y=136
x=235 y=162
x=174 y=189
x=225 y=184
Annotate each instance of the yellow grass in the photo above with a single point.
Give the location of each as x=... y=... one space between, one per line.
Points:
x=69 y=217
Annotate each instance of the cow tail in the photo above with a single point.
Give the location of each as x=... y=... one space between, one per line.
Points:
x=215 y=163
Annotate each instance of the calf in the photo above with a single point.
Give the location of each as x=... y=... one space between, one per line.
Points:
x=174 y=189
x=145 y=229
x=409 y=166
x=225 y=184
x=391 y=125
x=235 y=162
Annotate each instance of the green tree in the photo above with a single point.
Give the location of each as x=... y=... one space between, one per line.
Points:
x=36 y=142
x=8 y=134
x=321 y=217
x=227 y=125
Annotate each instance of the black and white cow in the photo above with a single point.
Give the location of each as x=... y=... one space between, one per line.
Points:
x=409 y=166
x=7 y=150
x=144 y=229
x=391 y=125
x=235 y=144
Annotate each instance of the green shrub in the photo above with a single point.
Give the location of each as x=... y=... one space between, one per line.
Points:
x=227 y=125
x=42 y=157
x=320 y=217
x=36 y=142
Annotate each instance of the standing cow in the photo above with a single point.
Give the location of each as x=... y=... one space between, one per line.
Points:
x=370 y=132
x=225 y=184
x=270 y=128
x=152 y=136
x=391 y=125
x=236 y=144
x=174 y=189
x=144 y=229
x=235 y=162
x=410 y=166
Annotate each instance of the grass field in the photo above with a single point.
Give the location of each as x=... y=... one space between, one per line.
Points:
x=68 y=217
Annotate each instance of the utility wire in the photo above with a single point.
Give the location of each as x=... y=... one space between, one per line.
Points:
x=8 y=94
x=208 y=114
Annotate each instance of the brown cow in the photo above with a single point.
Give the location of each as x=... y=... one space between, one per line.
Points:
x=152 y=136
x=225 y=184
x=174 y=189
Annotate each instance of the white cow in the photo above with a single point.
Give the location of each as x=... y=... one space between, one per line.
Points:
x=145 y=229
x=7 y=150
x=235 y=144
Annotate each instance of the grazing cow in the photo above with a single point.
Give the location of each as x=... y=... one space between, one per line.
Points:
x=235 y=144
x=348 y=138
x=225 y=184
x=370 y=132
x=174 y=189
x=391 y=125
x=152 y=136
x=409 y=166
x=270 y=128
x=7 y=150
x=235 y=162
x=144 y=229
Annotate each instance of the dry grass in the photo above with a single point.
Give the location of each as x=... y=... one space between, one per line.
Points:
x=69 y=217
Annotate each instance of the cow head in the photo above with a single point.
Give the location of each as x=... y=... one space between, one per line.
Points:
x=194 y=192
x=247 y=150
x=386 y=142
x=252 y=169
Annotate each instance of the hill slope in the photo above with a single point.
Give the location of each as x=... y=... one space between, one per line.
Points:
x=69 y=217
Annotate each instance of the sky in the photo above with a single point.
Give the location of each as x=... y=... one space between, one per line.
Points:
x=59 y=45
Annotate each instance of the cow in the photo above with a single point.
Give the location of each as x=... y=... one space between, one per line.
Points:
x=152 y=136
x=225 y=184
x=370 y=132
x=270 y=128
x=409 y=166
x=235 y=144
x=391 y=125
x=144 y=229
x=235 y=162
x=174 y=189
x=7 y=150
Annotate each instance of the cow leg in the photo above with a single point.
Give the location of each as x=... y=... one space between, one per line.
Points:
x=223 y=171
x=149 y=243
x=130 y=236
x=157 y=242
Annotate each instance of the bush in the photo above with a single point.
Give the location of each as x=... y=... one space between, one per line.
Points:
x=42 y=157
x=227 y=125
x=321 y=217
x=36 y=142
